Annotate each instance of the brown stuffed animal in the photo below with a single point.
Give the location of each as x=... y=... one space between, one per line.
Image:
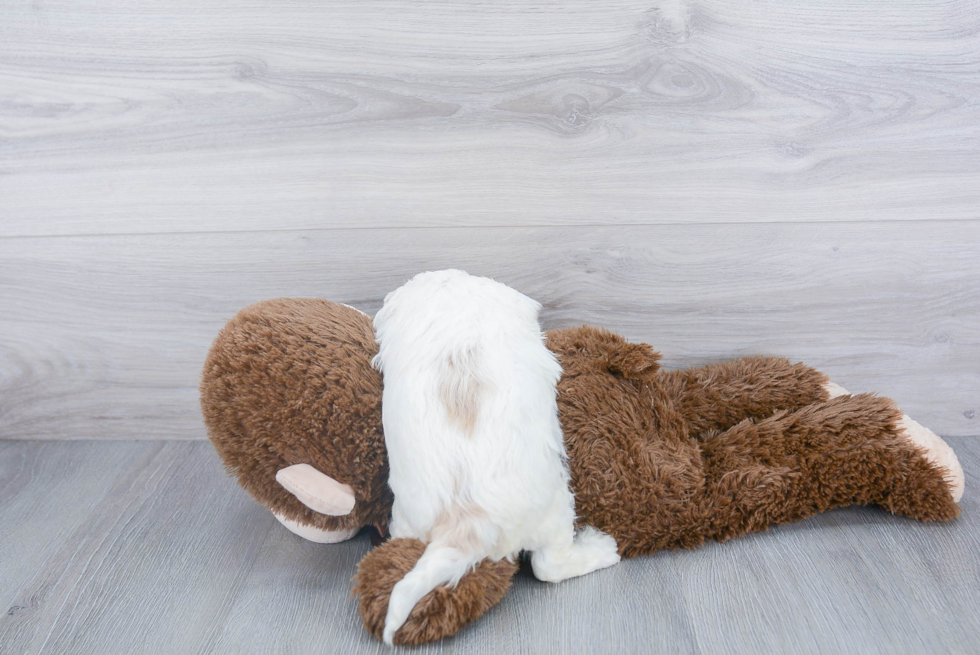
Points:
x=658 y=459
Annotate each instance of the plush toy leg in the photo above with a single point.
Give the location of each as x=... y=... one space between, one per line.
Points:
x=936 y=450
x=443 y=611
x=849 y=450
x=718 y=396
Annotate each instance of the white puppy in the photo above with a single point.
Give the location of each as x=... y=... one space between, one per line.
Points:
x=475 y=448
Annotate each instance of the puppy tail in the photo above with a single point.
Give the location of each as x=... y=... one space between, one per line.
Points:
x=439 y=564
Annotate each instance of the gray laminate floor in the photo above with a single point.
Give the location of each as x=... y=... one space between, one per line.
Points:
x=148 y=547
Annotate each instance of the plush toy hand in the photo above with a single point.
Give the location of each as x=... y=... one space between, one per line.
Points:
x=443 y=611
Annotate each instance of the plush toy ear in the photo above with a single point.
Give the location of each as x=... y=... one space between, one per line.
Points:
x=317 y=490
x=634 y=361
x=441 y=612
x=597 y=347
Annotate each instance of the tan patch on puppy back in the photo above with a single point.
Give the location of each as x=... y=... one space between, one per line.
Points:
x=455 y=527
x=460 y=391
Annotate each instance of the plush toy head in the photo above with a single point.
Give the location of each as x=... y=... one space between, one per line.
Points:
x=291 y=402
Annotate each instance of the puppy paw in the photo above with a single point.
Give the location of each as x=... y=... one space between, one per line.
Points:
x=590 y=551
x=936 y=451
x=598 y=547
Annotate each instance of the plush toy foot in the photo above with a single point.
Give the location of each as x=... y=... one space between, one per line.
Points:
x=937 y=452
x=835 y=390
x=441 y=612
x=316 y=535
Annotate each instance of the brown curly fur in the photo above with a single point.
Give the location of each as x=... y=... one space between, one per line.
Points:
x=440 y=613
x=777 y=452
x=657 y=459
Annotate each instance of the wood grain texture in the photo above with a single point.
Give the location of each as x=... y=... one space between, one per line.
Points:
x=104 y=337
x=145 y=572
x=121 y=118
x=47 y=494
x=172 y=557
x=717 y=178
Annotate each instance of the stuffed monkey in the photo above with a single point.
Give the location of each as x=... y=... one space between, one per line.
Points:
x=658 y=459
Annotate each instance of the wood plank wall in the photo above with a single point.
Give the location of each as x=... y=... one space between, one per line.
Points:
x=715 y=178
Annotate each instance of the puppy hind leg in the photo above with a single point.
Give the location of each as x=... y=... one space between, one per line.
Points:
x=589 y=551
x=562 y=552
x=438 y=565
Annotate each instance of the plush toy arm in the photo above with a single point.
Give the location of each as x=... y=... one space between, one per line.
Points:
x=443 y=611
x=719 y=396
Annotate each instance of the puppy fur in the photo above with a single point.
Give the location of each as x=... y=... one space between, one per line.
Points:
x=475 y=448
